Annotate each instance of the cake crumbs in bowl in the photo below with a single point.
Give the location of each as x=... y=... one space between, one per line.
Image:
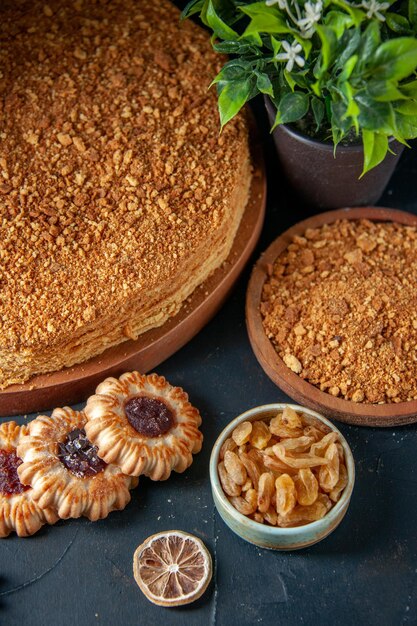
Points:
x=340 y=308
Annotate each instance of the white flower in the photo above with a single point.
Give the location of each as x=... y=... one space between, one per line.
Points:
x=291 y=55
x=373 y=9
x=281 y=3
x=312 y=13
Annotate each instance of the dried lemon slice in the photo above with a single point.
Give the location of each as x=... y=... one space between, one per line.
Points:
x=172 y=568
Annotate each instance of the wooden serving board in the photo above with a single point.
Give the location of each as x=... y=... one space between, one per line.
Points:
x=300 y=390
x=75 y=384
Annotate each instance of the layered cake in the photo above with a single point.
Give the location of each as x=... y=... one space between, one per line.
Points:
x=118 y=194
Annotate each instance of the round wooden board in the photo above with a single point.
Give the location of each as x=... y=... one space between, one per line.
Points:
x=298 y=389
x=75 y=384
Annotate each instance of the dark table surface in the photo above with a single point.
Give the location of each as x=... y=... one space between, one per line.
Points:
x=80 y=573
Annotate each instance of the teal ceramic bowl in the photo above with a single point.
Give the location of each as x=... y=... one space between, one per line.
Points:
x=274 y=537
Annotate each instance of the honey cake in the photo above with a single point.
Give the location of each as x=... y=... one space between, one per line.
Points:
x=118 y=194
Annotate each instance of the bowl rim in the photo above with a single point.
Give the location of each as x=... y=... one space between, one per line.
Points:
x=271 y=531
x=387 y=414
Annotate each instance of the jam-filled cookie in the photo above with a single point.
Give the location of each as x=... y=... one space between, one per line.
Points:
x=18 y=510
x=65 y=471
x=144 y=425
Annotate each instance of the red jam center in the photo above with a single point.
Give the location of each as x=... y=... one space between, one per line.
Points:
x=9 y=480
x=148 y=416
x=79 y=456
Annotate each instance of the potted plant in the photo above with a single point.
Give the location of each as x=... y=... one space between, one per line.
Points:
x=339 y=80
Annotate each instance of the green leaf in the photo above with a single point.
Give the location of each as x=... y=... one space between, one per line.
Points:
x=349 y=66
x=191 y=8
x=352 y=41
x=317 y=107
x=292 y=107
x=328 y=46
x=375 y=147
x=352 y=107
x=384 y=91
x=316 y=88
x=339 y=121
x=410 y=89
x=218 y=26
x=236 y=69
x=412 y=12
x=232 y=98
x=349 y=112
x=253 y=38
x=407 y=108
x=396 y=59
x=301 y=79
x=276 y=45
x=406 y=126
x=236 y=47
x=290 y=80
x=338 y=22
x=264 y=20
x=370 y=41
x=264 y=84
x=398 y=24
x=258 y=9
x=375 y=116
x=355 y=13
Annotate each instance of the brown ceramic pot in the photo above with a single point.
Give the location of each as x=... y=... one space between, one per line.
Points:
x=324 y=181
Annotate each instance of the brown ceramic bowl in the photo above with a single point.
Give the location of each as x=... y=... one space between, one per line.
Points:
x=300 y=390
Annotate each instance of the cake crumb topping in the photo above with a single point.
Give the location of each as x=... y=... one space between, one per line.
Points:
x=109 y=154
x=340 y=307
